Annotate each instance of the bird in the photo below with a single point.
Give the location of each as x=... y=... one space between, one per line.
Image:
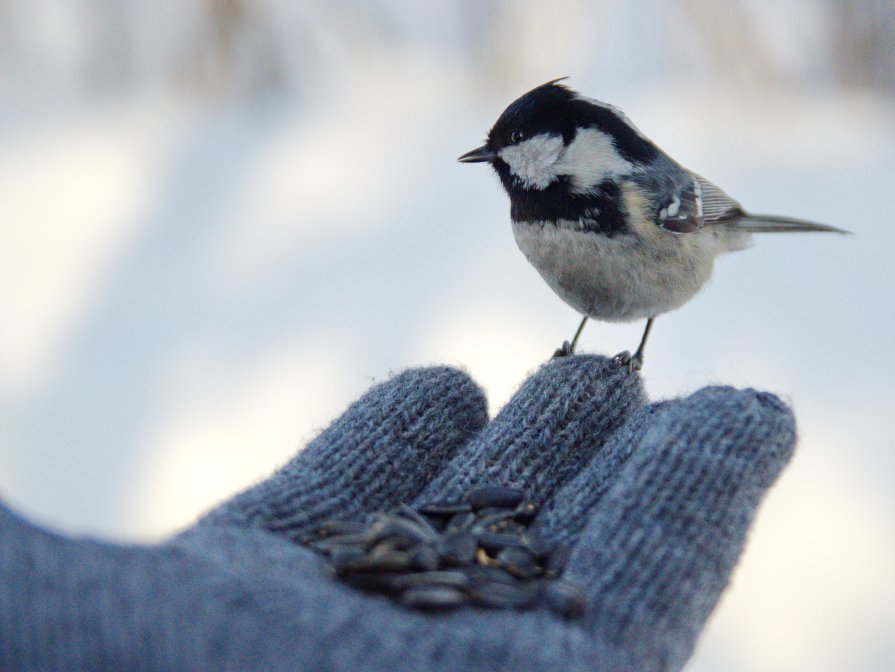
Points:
x=616 y=227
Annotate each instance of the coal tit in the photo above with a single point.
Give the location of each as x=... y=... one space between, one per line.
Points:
x=617 y=228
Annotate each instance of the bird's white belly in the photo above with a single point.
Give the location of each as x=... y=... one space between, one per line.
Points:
x=621 y=277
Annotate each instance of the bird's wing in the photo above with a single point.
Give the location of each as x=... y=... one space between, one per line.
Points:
x=697 y=203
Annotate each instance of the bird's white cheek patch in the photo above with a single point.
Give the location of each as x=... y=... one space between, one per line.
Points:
x=532 y=161
x=591 y=158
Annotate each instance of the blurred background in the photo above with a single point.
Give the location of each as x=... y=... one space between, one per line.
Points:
x=222 y=220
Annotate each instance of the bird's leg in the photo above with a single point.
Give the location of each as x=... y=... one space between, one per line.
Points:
x=577 y=334
x=567 y=348
x=634 y=363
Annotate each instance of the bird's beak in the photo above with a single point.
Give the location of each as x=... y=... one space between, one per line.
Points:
x=478 y=155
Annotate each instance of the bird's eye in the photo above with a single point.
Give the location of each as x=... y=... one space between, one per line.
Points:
x=516 y=136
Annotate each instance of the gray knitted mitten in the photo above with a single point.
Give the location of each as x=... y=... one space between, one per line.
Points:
x=655 y=499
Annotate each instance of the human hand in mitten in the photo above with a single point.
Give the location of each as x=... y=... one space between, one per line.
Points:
x=654 y=500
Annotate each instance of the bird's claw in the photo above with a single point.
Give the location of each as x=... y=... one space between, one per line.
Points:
x=563 y=351
x=632 y=362
x=622 y=358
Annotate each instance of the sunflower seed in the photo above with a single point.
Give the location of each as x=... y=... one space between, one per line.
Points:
x=556 y=561
x=493 y=520
x=379 y=583
x=402 y=528
x=461 y=521
x=494 y=542
x=353 y=539
x=479 y=551
x=534 y=542
x=329 y=546
x=505 y=595
x=407 y=512
x=456 y=548
x=563 y=598
x=330 y=528
x=340 y=557
x=432 y=597
x=424 y=559
x=480 y=574
x=445 y=509
x=525 y=512
x=519 y=562
x=388 y=561
x=444 y=578
x=494 y=495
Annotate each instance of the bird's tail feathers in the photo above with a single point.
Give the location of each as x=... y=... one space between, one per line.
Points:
x=775 y=224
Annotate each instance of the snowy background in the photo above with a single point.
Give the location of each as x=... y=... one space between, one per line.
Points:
x=222 y=220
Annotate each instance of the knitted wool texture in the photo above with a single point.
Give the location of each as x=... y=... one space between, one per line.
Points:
x=656 y=500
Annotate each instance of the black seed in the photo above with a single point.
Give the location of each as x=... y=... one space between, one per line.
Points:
x=508 y=526
x=438 y=523
x=388 y=561
x=491 y=517
x=424 y=558
x=329 y=528
x=357 y=539
x=525 y=512
x=481 y=574
x=456 y=548
x=380 y=583
x=494 y=512
x=401 y=528
x=432 y=597
x=519 y=562
x=563 y=598
x=344 y=555
x=372 y=520
x=493 y=557
x=461 y=521
x=494 y=542
x=406 y=512
x=327 y=546
x=445 y=509
x=505 y=595
x=451 y=579
x=556 y=561
x=494 y=495
x=535 y=543
x=395 y=544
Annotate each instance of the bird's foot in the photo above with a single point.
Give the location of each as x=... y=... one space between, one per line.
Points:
x=626 y=359
x=563 y=351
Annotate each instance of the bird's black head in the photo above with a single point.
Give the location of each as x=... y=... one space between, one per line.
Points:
x=555 y=142
x=547 y=109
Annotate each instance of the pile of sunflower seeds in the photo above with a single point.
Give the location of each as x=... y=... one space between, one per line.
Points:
x=476 y=551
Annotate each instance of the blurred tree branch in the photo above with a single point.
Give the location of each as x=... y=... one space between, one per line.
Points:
x=864 y=43
x=245 y=46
